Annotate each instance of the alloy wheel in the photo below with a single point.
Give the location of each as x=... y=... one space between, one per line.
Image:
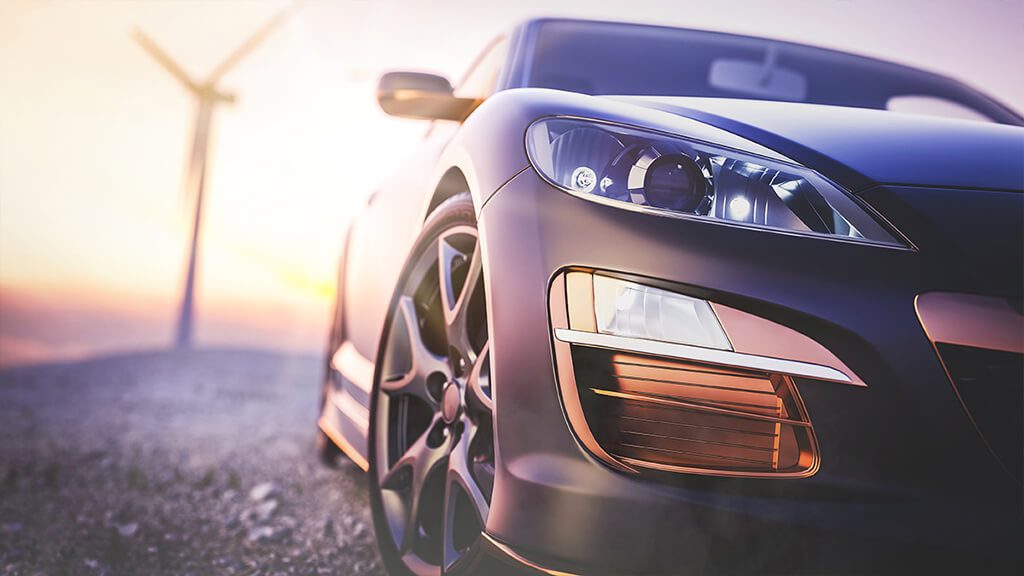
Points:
x=434 y=444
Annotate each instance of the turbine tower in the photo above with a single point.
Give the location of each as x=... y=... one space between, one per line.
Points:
x=207 y=97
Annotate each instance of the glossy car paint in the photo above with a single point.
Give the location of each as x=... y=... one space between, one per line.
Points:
x=860 y=147
x=900 y=460
x=887 y=477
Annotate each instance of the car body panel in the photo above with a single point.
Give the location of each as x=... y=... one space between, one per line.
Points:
x=898 y=458
x=380 y=239
x=886 y=469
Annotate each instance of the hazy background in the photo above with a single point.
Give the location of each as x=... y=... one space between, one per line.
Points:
x=94 y=137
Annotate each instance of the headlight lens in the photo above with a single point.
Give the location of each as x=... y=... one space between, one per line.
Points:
x=623 y=308
x=677 y=176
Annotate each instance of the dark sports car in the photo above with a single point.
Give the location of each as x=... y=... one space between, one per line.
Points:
x=654 y=300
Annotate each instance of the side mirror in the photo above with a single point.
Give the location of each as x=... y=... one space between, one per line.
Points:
x=422 y=95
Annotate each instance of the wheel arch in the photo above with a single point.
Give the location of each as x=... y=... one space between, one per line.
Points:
x=453 y=181
x=488 y=149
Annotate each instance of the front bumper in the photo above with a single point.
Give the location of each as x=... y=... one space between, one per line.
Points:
x=905 y=480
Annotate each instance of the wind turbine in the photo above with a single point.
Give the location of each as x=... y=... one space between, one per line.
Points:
x=207 y=97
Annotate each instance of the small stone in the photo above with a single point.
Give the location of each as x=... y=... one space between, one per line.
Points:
x=358 y=529
x=281 y=533
x=328 y=528
x=269 y=534
x=263 y=491
x=127 y=530
x=265 y=510
x=260 y=533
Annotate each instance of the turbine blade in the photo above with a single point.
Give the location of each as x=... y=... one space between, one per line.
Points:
x=253 y=41
x=164 y=59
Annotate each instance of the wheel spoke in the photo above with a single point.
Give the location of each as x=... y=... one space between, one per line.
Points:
x=473 y=274
x=461 y=481
x=455 y=296
x=418 y=566
x=478 y=385
x=447 y=257
x=458 y=470
x=410 y=473
x=421 y=361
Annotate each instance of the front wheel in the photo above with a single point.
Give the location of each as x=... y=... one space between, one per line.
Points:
x=431 y=441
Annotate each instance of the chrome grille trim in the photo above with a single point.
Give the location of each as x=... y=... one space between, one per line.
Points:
x=707 y=355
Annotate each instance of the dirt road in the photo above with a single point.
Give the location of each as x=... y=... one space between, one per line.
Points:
x=174 y=463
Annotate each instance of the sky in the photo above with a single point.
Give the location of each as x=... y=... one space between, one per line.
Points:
x=94 y=136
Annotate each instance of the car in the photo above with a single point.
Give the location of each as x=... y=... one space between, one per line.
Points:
x=658 y=300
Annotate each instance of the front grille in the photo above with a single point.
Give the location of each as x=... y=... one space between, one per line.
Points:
x=990 y=384
x=654 y=413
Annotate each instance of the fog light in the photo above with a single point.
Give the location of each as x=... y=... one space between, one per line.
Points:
x=624 y=308
x=651 y=383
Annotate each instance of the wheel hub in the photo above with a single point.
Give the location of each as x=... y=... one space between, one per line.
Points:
x=451 y=402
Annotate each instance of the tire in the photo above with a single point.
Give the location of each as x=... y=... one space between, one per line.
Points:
x=431 y=439
x=327 y=452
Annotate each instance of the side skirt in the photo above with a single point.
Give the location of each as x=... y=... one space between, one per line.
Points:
x=345 y=417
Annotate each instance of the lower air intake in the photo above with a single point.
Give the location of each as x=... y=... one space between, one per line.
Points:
x=672 y=416
x=990 y=384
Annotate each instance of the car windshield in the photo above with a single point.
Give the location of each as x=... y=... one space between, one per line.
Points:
x=629 y=59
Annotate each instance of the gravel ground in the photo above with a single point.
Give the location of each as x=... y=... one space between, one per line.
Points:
x=174 y=463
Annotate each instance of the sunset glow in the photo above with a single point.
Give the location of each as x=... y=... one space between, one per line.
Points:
x=94 y=137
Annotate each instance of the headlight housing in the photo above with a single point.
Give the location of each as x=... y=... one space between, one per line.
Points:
x=677 y=176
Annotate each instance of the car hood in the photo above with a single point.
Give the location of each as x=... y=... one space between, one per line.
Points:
x=861 y=148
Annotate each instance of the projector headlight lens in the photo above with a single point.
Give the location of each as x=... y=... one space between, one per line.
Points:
x=676 y=176
x=675 y=182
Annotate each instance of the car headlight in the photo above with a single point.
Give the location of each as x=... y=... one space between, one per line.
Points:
x=677 y=176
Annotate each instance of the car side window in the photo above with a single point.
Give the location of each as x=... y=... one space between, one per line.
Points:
x=481 y=78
